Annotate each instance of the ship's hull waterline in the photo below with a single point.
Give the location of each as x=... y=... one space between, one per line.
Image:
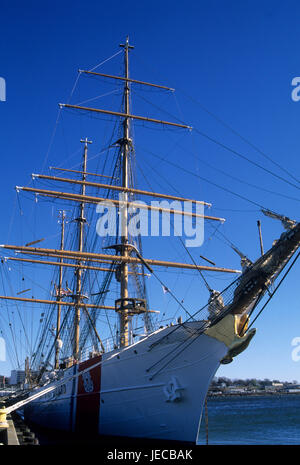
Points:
x=153 y=389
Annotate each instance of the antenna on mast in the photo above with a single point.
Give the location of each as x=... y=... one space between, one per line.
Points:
x=260 y=237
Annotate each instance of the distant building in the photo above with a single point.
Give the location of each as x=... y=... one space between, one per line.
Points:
x=2 y=382
x=17 y=377
x=292 y=387
x=275 y=387
x=235 y=389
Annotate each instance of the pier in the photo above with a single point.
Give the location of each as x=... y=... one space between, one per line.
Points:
x=8 y=434
x=13 y=430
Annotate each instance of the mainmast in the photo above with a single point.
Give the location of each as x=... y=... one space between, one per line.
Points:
x=125 y=150
x=81 y=220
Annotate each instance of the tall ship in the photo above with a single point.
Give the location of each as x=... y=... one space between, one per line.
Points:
x=104 y=360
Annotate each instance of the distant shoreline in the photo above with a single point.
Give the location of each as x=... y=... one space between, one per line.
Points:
x=250 y=394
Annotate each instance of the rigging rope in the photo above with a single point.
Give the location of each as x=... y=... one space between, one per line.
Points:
x=215 y=141
x=107 y=59
x=226 y=147
x=240 y=136
x=242 y=181
x=171 y=293
x=226 y=125
x=191 y=173
x=57 y=121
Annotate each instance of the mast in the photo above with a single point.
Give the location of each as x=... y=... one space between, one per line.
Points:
x=81 y=220
x=59 y=290
x=125 y=149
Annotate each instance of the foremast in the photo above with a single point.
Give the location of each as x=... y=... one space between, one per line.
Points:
x=59 y=292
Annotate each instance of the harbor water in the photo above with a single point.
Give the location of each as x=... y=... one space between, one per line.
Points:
x=233 y=420
x=252 y=420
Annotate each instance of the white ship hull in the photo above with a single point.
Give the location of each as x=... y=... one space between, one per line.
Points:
x=138 y=391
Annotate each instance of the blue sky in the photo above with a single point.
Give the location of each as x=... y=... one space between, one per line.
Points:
x=236 y=59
